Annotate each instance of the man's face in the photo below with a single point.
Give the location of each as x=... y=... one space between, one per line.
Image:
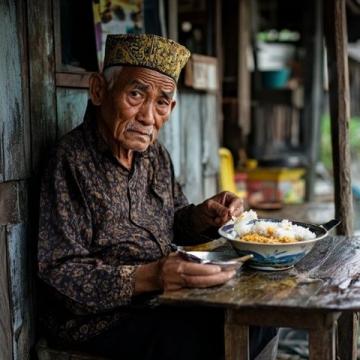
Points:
x=137 y=106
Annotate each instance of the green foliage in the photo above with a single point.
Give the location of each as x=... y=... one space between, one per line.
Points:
x=354 y=134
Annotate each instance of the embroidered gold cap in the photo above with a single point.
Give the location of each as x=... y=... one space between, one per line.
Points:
x=146 y=50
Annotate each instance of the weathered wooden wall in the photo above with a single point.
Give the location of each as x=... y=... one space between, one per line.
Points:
x=71 y=104
x=192 y=139
x=15 y=164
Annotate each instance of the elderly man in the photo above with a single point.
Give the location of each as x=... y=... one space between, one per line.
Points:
x=111 y=211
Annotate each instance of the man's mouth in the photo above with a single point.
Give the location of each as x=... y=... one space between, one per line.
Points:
x=141 y=132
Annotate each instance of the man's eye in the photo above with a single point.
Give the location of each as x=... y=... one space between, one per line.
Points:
x=135 y=93
x=163 y=102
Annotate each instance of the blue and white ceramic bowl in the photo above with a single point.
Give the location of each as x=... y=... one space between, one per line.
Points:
x=275 y=256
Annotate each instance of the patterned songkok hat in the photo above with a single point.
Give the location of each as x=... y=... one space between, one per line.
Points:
x=145 y=50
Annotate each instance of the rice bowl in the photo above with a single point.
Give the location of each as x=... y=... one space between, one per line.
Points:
x=276 y=255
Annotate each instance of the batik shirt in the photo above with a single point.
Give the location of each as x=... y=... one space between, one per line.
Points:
x=98 y=222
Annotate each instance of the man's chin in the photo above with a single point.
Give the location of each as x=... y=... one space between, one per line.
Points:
x=140 y=147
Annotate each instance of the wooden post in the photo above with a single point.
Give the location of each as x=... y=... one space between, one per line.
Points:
x=42 y=79
x=313 y=90
x=339 y=96
x=244 y=86
x=347 y=336
x=173 y=19
x=322 y=343
x=236 y=338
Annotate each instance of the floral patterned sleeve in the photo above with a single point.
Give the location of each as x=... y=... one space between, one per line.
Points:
x=65 y=261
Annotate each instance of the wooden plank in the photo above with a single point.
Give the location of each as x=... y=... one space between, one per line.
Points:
x=244 y=83
x=301 y=319
x=210 y=144
x=172 y=137
x=13 y=202
x=210 y=137
x=73 y=80
x=347 y=335
x=219 y=53
x=71 y=105
x=57 y=34
x=191 y=121
x=42 y=79
x=210 y=185
x=20 y=262
x=6 y=351
x=236 y=338
x=336 y=45
x=278 y=96
x=173 y=19
x=14 y=100
x=313 y=89
x=322 y=343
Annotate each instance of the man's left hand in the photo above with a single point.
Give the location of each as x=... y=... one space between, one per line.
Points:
x=216 y=211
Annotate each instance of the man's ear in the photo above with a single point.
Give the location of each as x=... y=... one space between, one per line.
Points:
x=97 y=89
x=173 y=104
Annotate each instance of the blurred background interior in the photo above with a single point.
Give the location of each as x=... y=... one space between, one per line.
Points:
x=256 y=86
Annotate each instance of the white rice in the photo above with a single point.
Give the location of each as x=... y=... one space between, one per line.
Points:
x=283 y=229
x=242 y=225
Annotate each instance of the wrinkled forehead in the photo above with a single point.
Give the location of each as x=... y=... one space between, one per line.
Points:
x=137 y=76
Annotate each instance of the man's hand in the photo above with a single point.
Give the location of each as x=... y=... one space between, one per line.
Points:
x=173 y=273
x=216 y=211
x=177 y=273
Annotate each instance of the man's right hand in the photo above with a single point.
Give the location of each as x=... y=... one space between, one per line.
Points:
x=177 y=273
x=174 y=273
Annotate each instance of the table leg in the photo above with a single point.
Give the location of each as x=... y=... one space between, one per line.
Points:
x=347 y=336
x=236 y=338
x=322 y=343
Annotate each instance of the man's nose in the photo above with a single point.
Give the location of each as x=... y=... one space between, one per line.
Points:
x=146 y=113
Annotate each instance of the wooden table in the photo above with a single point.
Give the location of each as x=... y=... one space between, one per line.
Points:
x=312 y=296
